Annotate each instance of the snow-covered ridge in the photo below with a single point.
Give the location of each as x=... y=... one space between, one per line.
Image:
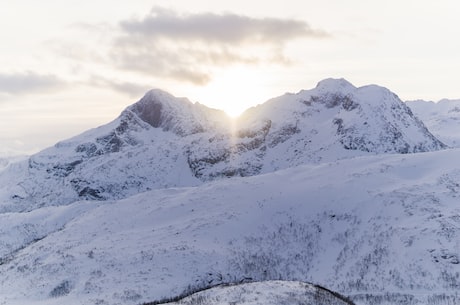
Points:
x=266 y=293
x=441 y=118
x=163 y=141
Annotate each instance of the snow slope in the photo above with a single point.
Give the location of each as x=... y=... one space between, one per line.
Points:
x=381 y=229
x=442 y=118
x=163 y=141
x=267 y=293
x=7 y=159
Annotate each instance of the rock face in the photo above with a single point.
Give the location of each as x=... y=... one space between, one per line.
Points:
x=163 y=141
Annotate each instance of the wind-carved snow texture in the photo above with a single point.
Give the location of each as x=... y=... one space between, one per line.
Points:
x=162 y=141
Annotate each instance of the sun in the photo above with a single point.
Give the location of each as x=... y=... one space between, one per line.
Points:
x=234 y=90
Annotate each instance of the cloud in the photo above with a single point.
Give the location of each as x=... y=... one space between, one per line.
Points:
x=189 y=47
x=128 y=88
x=131 y=89
x=29 y=82
x=166 y=61
x=219 y=28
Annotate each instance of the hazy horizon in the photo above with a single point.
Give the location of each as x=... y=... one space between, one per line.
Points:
x=67 y=67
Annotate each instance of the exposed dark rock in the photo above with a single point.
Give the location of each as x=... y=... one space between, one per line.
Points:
x=150 y=112
x=63 y=170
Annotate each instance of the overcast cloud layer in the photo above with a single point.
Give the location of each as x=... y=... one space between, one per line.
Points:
x=188 y=47
x=164 y=44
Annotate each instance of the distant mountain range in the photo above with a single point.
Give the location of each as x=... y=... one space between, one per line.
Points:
x=441 y=118
x=339 y=186
x=163 y=141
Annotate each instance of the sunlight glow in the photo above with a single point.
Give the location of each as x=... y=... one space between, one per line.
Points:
x=234 y=89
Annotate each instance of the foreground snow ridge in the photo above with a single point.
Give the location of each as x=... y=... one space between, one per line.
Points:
x=266 y=293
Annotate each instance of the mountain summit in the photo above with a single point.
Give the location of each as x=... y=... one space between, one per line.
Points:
x=163 y=141
x=162 y=110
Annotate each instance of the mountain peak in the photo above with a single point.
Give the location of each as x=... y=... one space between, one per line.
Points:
x=161 y=109
x=334 y=85
x=156 y=105
x=165 y=98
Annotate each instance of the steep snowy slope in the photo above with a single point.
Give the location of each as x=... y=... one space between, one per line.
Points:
x=162 y=141
x=6 y=160
x=4 y=163
x=380 y=229
x=140 y=150
x=441 y=118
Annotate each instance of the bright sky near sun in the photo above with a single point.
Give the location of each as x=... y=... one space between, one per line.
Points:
x=67 y=66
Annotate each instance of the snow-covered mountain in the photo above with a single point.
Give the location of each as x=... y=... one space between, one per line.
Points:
x=162 y=141
x=378 y=229
x=441 y=118
x=337 y=186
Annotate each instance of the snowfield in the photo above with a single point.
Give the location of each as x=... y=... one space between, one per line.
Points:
x=338 y=186
x=376 y=229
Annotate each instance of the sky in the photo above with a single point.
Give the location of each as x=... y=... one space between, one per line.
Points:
x=67 y=66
